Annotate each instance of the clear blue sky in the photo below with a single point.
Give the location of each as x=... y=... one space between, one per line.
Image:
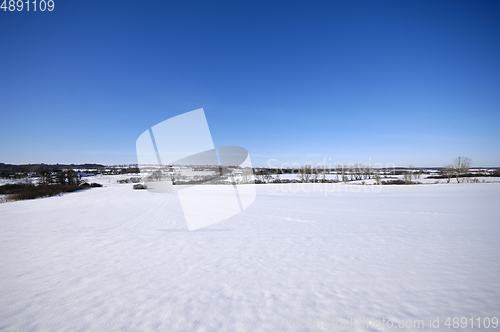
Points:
x=403 y=82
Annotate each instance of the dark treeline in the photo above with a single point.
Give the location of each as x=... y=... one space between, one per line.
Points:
x=48 y=182
x=21 y=171
x=51 y=167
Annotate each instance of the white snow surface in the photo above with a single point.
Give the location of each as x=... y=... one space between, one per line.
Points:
x=113 y=258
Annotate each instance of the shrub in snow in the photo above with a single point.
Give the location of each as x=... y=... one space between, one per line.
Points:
x=22 y=192
x=394 y=182
x=130 y=180
x=140 y=186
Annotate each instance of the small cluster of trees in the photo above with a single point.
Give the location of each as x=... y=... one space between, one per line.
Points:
x=411 y=174
x=353 y=172
x=66 y=177
x=49 y=184
x=264 y=175
x=459 y=167
x=119 y=170
x=308 y=173
x=247 y=175
x=130 y=180
x=343 y=173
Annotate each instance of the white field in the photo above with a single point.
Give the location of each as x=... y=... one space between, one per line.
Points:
x=112 y=259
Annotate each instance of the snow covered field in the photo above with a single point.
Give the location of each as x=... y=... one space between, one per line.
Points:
x=113 y=258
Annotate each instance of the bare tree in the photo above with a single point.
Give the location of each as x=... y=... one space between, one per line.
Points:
x=268 y=178
x=175 y=176
x=315 y=174
x=407 y=177
x=260 y=175
x=61 y=177
x=278 y=177
x=343 y=171
x=461 y=166
x=408 y=174
x=45 y=177
x=69 y=177
x=367 y=172
x=246 y=174
x=358 y=170
x=448 y=172
x=352 y=175
x=337 y=170
x=305 y=173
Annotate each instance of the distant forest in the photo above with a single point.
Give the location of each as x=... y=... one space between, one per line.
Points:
x=9 y=170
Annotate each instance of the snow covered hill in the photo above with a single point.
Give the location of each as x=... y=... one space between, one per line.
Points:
x=113 y=258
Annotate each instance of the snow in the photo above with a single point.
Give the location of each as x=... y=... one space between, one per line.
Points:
x=114 y=258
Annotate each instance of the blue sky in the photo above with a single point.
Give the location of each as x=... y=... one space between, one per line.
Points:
x=403 y=82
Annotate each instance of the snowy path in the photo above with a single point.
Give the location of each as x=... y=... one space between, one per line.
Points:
x=111 y=259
